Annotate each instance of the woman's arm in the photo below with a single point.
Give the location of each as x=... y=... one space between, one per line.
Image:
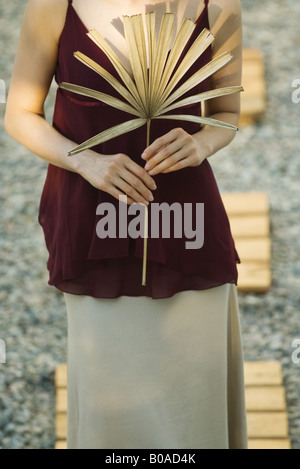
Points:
x=226 y=25
x=33 y=71
x=177 y=149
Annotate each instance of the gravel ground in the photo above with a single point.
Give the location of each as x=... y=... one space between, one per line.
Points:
x=262 y=157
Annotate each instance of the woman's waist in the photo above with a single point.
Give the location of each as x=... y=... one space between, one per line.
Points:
x=79 y=119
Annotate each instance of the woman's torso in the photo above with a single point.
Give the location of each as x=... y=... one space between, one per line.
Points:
x=69 y=203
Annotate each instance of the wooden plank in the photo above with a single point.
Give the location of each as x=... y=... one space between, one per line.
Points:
x=267 y=425
x=250 y=226
x=253 y=69
x=253 y=99
x=265 y=402
x=252 y=106
x=61 y=376
x=256 y=373
x=62 y=444
x=252 y=56
x=254 y=277
x=263 y=373
x=246 y=119
x=248 y=214
x=265 y=398
x=61 y=426
x=253 y=250
x=252 y=53
x=245 y=203
x=275 y=443
x=260 y=425
x=254 y=88
x=257 y=398
x=61 y=400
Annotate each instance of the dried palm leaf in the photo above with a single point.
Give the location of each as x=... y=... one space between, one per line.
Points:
x=150 y=93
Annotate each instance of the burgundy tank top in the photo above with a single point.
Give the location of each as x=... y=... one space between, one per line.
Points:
x=79 y=261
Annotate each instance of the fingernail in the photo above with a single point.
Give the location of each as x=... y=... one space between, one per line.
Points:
x=151 y=198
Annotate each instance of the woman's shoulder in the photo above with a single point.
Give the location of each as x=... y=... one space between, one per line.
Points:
x=224 y=12
x=51 y=15
x=225 y=4
x=224 y=7
x=49 y=6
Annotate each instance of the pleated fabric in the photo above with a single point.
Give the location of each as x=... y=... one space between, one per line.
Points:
x=156 y=374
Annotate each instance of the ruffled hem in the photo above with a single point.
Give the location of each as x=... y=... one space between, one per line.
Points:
x=112 y=278
x=68 y=217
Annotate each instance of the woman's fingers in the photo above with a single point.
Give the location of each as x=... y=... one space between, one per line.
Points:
x=160 y=143
x=134 y=191
x=163 y=154
x=118 y=175
x=138 y=180
x=167 y=150
x=184 y=163
x=115 y=192
x=141 y=173
x=127 y=176
x=173 y=151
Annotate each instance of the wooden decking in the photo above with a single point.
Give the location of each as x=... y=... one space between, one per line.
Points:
x=266 y=407
x=265 y=399
x=253 y=98
x=248 y=214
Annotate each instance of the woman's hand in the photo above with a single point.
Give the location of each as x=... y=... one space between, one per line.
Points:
x=173 y=151
x=116 y=174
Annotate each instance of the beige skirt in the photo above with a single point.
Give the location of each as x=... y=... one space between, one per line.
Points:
x=156 y=374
